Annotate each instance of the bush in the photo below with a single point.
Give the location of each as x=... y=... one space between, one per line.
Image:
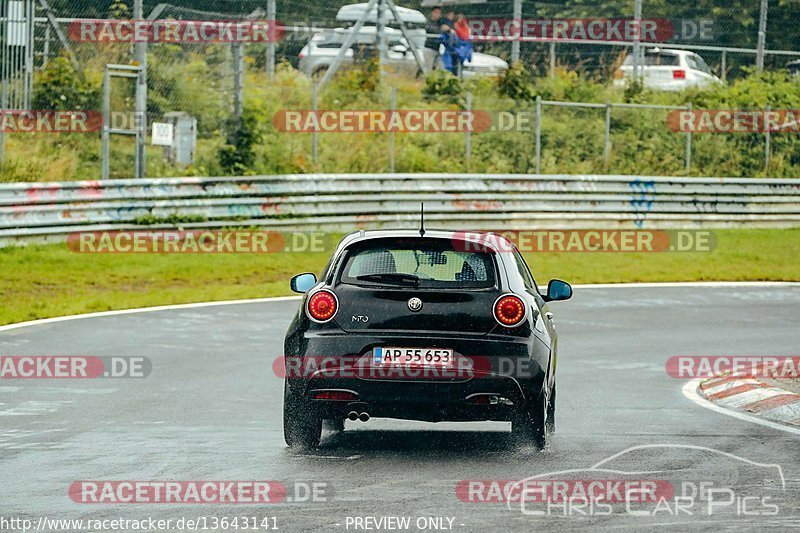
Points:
x=59 y=88
x=237 y=157
x=442 y=84
x=516 y=84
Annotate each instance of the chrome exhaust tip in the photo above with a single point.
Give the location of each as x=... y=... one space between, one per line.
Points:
x=363 y=417
x=352 y=416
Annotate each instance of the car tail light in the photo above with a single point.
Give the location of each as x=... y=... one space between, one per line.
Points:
x=679 y=74
x=300 y=55
x=338 y=395
x=509 y=310
x=322 y=305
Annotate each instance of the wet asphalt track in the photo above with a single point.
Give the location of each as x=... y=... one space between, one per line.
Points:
x=211 y=409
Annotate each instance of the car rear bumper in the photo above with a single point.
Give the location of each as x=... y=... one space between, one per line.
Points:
x=493 y=375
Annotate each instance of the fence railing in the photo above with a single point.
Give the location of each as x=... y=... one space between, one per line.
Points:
x=339 y=202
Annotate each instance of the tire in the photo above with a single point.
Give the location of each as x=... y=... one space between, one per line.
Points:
x=551 y=412
x=529 y=425
x=302 y=426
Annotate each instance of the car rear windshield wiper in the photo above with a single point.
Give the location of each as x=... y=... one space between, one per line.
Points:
x=391 y=277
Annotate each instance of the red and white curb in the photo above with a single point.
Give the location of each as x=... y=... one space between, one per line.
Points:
x=746 y=394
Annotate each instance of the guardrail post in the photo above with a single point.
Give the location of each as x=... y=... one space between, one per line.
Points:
x=271 y=44
x=689 y=143
x=538 y=134
x=552 y=59
x=391 y=132
x=468 y=140
x=3 y=108
x=608 y=134
x=767 y=139
x=724 y=67
x=315 y=133
x=517 y=16
x=106 y=123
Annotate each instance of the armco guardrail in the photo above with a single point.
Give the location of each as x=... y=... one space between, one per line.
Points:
x=50 y=211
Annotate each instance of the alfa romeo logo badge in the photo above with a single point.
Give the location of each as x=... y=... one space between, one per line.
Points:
x=415 y=304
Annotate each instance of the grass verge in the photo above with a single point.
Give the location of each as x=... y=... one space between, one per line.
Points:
x=46 y=281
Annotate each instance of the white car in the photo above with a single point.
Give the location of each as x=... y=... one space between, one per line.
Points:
x=318 y=55
x=668 y=70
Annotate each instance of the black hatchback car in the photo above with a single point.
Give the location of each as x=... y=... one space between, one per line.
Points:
x=436 y=326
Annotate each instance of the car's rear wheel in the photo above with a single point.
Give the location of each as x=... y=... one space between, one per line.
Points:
x=302 y=425
x=529 y=425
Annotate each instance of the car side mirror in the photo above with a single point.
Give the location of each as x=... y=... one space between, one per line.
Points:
x=558 y=290
x=303 y=283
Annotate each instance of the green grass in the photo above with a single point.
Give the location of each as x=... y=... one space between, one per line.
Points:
x=46 y=281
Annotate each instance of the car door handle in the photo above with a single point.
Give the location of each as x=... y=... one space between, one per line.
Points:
x=549 y=316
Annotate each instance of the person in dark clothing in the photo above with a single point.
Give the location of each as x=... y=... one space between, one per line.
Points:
x=434 y=26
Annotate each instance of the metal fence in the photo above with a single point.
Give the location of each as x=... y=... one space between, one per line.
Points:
x=51 y=211
x=213 y=81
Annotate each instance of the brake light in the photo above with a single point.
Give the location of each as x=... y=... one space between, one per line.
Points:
x=679 y=74
x=509 y=310
x=300 y=55
x=337 y=395
x=322 y=305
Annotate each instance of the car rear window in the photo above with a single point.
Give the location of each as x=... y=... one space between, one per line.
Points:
x=420 y=262
x=656 y=60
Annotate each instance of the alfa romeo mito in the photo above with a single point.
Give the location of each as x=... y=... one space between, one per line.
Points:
x=431 y=326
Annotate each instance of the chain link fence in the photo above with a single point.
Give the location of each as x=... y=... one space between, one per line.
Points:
x=217 y=82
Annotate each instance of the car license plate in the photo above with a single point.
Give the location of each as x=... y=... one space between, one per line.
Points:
x=439 y=357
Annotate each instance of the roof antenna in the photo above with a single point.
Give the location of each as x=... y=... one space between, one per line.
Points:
x=422 y=219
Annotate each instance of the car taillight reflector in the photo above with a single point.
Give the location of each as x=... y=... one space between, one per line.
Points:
x=509 y=310
x=679 y=74
x=322 y=305
x=344 y=396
